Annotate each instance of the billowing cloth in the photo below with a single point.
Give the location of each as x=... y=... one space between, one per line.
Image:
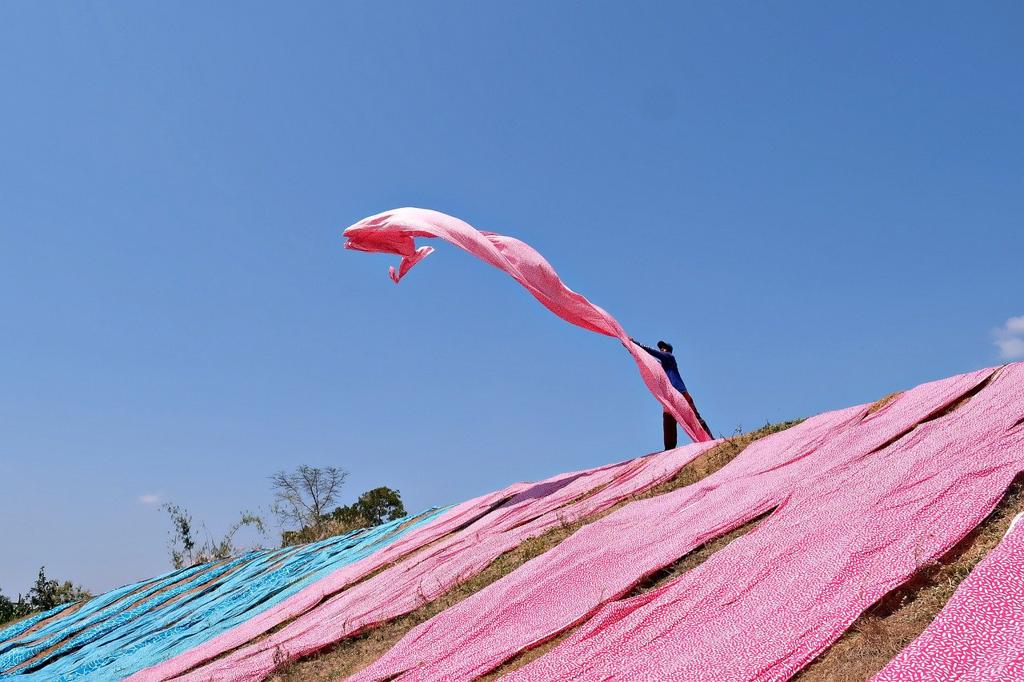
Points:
x=861 y=500
x=139 y=625
x=395 y=231
x=979 y=635
x=417 y=579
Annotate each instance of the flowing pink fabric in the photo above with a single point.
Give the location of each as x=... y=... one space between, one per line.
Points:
x=979 y=635
x=395 y=231
x=860 y=502
x=409 y=583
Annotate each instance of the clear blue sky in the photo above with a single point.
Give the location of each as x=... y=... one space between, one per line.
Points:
x=817 y=206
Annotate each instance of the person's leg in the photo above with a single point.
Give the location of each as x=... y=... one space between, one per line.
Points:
x=696 y=413
x=669 y=425
x=707 y=429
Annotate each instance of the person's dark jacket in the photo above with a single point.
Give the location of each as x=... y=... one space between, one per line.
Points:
x=668 y=363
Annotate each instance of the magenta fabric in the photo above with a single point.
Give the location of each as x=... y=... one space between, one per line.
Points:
x=979 y=635
x=854 y=516
x=301 y=602
x=409 y=583
x=395 y=232
x=835 y=545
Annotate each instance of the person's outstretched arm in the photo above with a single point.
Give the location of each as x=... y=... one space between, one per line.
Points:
x=653 y=351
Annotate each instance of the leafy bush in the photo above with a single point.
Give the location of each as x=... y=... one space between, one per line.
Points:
x=373 y=508
x=13 y=610
x=44 y=595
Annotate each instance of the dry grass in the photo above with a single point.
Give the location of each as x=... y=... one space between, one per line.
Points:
x=899 y=617
x=879 y=404
x=352 y=655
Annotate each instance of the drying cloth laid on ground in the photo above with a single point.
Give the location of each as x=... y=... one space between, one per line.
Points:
x=12 y=631
x=833 y=547
x=140 y=625
x=66 y=624
x=979 y=635
x=394 y=232
x=425 y=576
x=607 y=558
x=847 y=505
x=457 y=517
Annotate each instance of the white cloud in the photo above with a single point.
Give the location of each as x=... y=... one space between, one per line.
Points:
x=1015 y=325
x=149 y=498
x=1010 y=338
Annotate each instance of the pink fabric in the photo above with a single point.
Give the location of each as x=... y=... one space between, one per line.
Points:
x=836 y=544
x=394 y=232
x=308 y=598
x=409 y=583
x=979 y=635
x=847 y=509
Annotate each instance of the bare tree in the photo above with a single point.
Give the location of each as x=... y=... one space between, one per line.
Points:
x=301 y=498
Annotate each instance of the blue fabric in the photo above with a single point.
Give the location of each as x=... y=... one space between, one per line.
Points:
x=113 y=640
x=25 y=623
x=12 y=631
x=96 y=619
x=11 y=638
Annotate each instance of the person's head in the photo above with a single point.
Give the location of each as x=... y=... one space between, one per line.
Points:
x=665 y=346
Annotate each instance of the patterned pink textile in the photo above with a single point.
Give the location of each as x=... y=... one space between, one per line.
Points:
x=803 y=575
x=833 y=547
x=299 y=603
x=395 y=231
x=979 y=635
x=409 y=583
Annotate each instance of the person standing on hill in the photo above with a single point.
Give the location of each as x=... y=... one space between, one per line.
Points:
x=668 y=363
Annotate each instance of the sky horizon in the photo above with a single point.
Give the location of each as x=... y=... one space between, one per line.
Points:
x=816 y=205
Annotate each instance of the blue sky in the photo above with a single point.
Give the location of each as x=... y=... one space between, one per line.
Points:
x=816 y=204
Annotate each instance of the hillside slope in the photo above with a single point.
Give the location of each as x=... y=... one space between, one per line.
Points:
x=820 y=550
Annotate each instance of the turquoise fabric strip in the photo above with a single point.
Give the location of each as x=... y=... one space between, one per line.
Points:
x=112 y=637
x=16 y=638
